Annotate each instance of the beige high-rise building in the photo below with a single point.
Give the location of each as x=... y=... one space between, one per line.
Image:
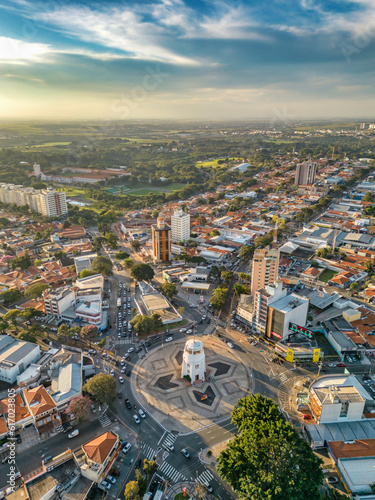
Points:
x=265 y=268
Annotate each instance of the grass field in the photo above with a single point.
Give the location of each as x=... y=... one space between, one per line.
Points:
x=327 y=275
x=47 y=144
x=180 y=496
x=214 y=163
x=143 y=189
x=74 y=191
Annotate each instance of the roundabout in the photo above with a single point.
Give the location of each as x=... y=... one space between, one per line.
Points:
x=187 y=385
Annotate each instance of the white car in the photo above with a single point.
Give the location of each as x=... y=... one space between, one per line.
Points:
x=183 y=330
x=111 y=479
x=189 y=331
x=121 y=380
x=204 y=317
x=168 y=446
x=112 y=373
x=229 y=344
x=126 y=448
x=332 y=365
x=131 y=349
x=106 y=485
x=136 y=419
x=126 y=355
x=123 y=369
x=73 y=434
x=169 y=339
x=142 y=413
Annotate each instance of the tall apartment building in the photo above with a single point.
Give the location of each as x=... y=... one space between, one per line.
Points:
x=180 y=226
x=263 y=298
x=161 y=241
x=305 y=173
x=265 y=268
x=47 y=202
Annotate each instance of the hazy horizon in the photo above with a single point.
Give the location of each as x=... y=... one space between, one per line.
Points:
x=187 y=60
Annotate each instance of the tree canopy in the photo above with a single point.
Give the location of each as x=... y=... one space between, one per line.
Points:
x=10 y=296
x=168 y=289
x=142 y=324
x=121 y=255
x=102 y=265
x=142 y=272
x=101 y=387
x=218 y=298
x=268 y=460
x=35 y=290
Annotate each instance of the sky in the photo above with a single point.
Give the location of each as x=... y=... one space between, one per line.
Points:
x=277 y=60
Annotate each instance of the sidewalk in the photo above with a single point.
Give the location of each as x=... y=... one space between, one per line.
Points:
x=177 y=488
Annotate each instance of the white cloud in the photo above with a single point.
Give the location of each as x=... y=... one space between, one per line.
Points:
x=13 y=51
x=120 y=29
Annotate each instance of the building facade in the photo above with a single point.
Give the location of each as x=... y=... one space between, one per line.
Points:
x=47 y=202
x=161 y=241
x=305 y=173
x=180 y=226
x=265 y=268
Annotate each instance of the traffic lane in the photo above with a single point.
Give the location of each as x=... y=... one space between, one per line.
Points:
x=53 y=446
x=213 y=435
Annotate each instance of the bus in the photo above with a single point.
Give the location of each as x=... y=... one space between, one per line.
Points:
x=119 y=303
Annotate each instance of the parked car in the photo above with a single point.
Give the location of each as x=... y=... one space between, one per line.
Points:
x=105 y=485
x=128 y=404
x=121 y=380
x=114 y=472
x=112 y=373
x=126 y=448
x=111 y=479
x=307 y=417
x=93 y=409
x=332 y=480
x=341 y=365
x=18 y=439
x=131 y=349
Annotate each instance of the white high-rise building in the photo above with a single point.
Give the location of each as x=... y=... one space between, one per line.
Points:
x=180 y=226
x=48 y=202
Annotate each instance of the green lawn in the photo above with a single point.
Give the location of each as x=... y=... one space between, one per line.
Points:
x=180 y=496
x=327 y=275
x=46 y=144
x=214 y=163
x=143 y=189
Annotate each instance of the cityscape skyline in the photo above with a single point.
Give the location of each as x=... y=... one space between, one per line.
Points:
x=189 y=60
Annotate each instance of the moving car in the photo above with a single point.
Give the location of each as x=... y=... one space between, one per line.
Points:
x=307 y=417
x=73 y=434
x=131 y=349
x=169 y=339
x=185 y=453
x=136 y=419
x=128 y=403
x=341 y=365
x=183 y=330
x=189 y=331
x=142 y=413
x=168 y=446
x=121 y=380
x=112 y=373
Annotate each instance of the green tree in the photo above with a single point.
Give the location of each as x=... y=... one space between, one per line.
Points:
x=142 y=272
x=3 y=324
x=156 y=318
x=10 y=296
x=12 y=316
x=201 y=220
x=85 y=273
x=241 y=289
x=62 y=331
x=227 y=276
x=102 y=388
x=35 y=290
x=244 y=277
x=169 y=289
x=369 y=267
x=23 y=262
x=143 y=324
x=80 y=406
x=246 y=252
x=37 y=262
x=268 y=460
x=368 y=197
x=181 y=310
x=122 y=255
x=215 y=232
x=215 y=270
x=102 y=265
x=132 y=491
x=136 y=245
x=128 y=263
x=26 y=336
x=155 y=214
x=218 y=298
x=142 y=483
x=149 y=468
x=354 y=286
x=111 y=239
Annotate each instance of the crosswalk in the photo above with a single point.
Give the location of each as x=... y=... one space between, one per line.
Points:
x=171 y=473
x=170 y=439
x=283 y=377
x=205 y=478
x=104 y=420
x=148 y=451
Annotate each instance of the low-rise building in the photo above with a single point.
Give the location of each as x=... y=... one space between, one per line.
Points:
x=15 y=357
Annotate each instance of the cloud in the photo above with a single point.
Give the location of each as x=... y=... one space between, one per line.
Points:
x=13 y=51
